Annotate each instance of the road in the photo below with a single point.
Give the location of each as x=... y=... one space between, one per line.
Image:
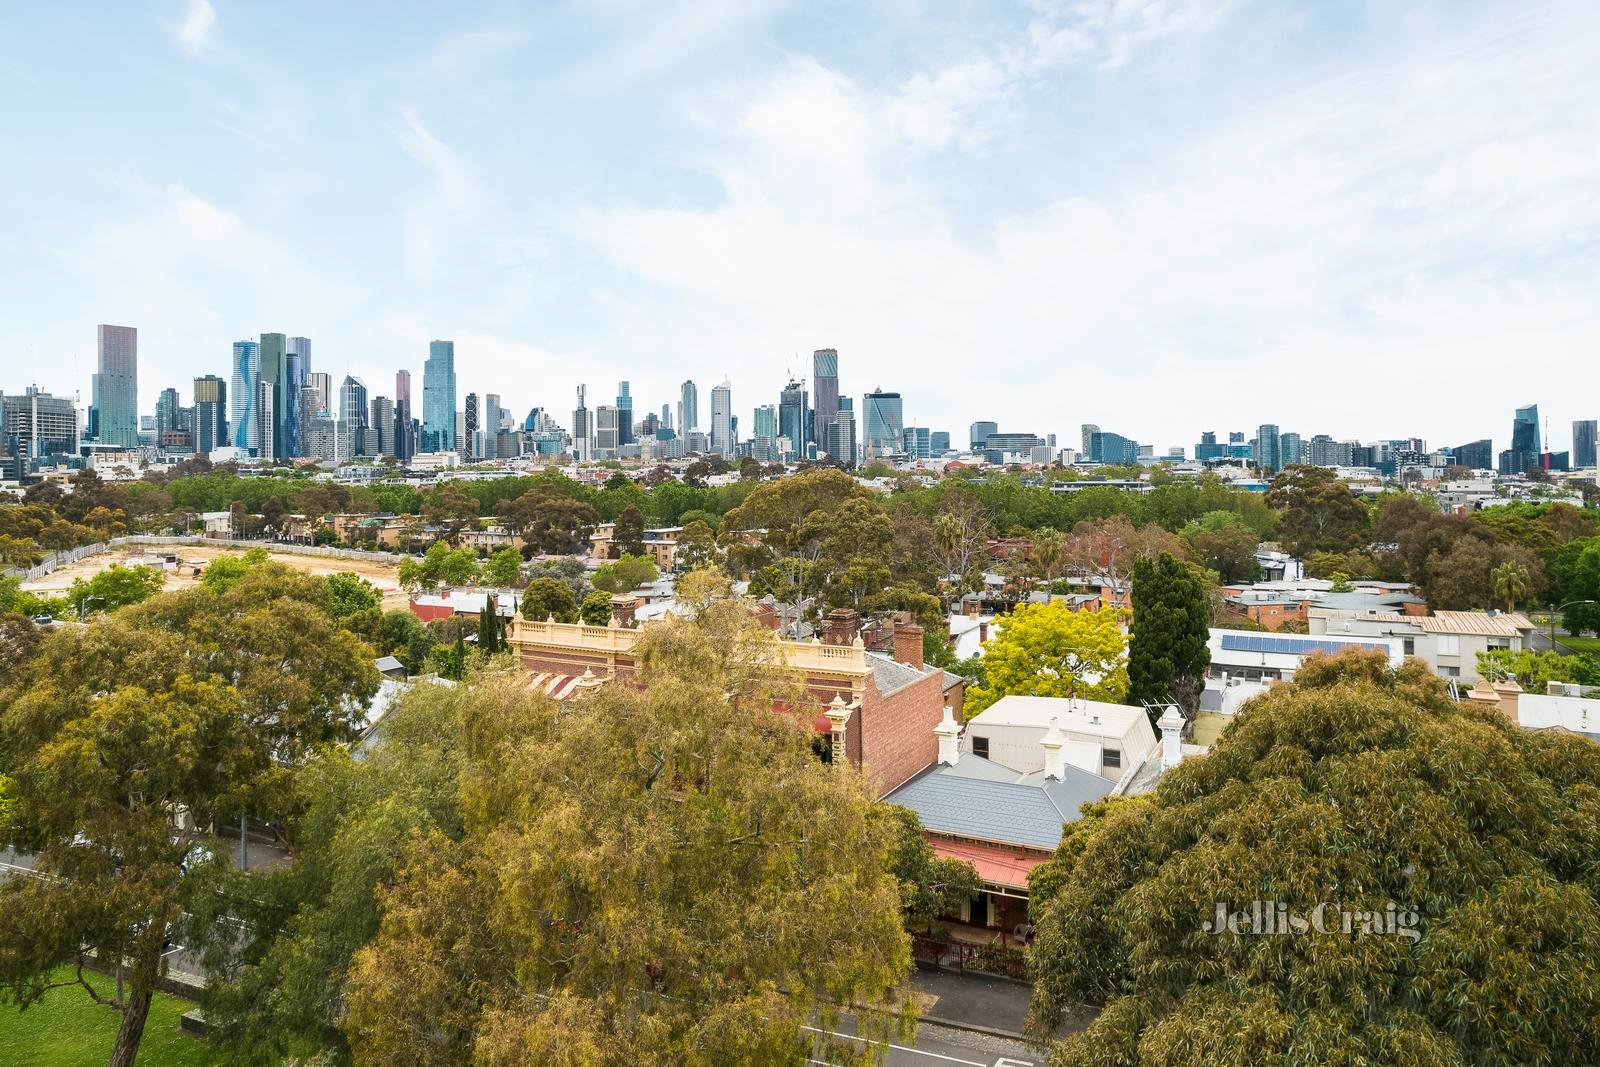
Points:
x=941 y=1046
x=1539 y=641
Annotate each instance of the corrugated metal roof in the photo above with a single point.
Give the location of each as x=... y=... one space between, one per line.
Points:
x=1007 y=812
x=1464 y=622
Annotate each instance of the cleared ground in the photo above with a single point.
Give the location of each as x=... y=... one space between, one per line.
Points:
x=382 y=575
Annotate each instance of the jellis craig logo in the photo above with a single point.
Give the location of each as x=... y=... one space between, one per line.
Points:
x=1265 y=918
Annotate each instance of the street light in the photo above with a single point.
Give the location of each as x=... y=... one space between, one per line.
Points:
x=83 y=605
x=1557 y=611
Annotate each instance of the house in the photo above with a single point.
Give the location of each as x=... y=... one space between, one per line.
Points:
x=468 y=603
x=1256 y=657
x=660 y=543
x=1272 y=604
x=1447 y=641
x=877 y=709
x=489 y=539
x=1103 y=739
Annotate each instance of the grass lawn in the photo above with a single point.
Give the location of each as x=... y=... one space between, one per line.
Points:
x=1590 y=645
x=67 y=1029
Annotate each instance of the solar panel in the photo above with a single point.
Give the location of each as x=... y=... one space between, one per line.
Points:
x=1294 y=646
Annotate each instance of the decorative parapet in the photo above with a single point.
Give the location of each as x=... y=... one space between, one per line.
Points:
x=806 y=656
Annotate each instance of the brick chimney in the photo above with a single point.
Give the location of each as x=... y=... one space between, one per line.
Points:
x=1509 y=693
x=622 y=609
x=839 y=628
x=908 y=644
x=766 y=615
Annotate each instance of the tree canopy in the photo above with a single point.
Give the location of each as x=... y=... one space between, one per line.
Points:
x=1167 y=649
x=1049 y=650
x=1464 y=847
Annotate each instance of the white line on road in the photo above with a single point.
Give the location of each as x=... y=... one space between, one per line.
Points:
x=897 y=1048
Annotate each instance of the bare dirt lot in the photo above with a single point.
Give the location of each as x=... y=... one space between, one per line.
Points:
x=195 y=557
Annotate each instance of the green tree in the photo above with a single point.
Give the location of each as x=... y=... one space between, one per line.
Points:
x=1512 y=583
x=1226 y=544
x=1532 y=670
x=549 y=521
x=350 y=594
x=490 y=640
x=401 y=634
x=659 y=879
x=627 y=537
x=626 y=574
x=549 y=598
x=596 y=608
x=1167 y=650
x=1049 y=650
x=226 y=570
x=1317 y=511
x=441 y=564
x=1356 y=788
x=279 y=992
x=132 y=739
x=697 y=545
x=115 y=587
x=503 y=569
x=931 y=887
x=451 y=508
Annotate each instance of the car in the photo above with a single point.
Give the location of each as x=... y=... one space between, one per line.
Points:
x=44 y=620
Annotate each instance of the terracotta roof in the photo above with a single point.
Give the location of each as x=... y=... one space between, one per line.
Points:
x=995 y=866
x=1464 y=622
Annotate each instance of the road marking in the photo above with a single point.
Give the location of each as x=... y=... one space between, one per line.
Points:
x=897 y=1048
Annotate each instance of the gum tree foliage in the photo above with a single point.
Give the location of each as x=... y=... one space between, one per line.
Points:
x=627 y=535
x=1317 y=512
x=663 y=875
x=1362 y=787
x=549 y=598
x=115 y=587
x=132 y=739
x=626 y=574
x=1049 y=650
x=1167 y=650
x=596 y=608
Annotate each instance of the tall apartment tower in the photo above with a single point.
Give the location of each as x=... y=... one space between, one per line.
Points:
x=296 y=367
x=404 y=445
x=624 y=414
x=883 y=424
x=793 y=420
x=439 y=398
x=688 y=409
x=824 y=393
x=353 y=412
x=116 y=385
x=1269 y=456
x=274 y=371
x=210 y=414
x=722 y=441
x=1583 y=444
x=469 y=426
x=245 y=389
x=582 y=430
x=380 y=428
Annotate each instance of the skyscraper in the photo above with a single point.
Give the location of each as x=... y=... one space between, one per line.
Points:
x=317 y=396
x=883 y=423
x=469 y=421
x=1291 y=449
x=688 y=409
x=979 y=432
x=169 y=413
x=116 y=386
x=825 y=390
x=245 y=390
x=1583 y=444
x=793 y=422
x=917 y=441
x=606 y=439
x=297 y=365
x=1524 y=451
x=582 y=430
x=842 y=435
x=491 y=414
x=404 y=446
x=210 y=414
x=439 y=398
x=1268 y=457
x=765 y=423
x=380 y=427
x=666 y=416
x=722 y=441
x=274 y=371
x=353 y=414
x=624 y=414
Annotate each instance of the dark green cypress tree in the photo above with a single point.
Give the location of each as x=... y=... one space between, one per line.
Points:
x=1167 y=653
x=489 y=627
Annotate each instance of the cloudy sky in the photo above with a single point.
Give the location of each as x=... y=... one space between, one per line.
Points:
x=1162 y=216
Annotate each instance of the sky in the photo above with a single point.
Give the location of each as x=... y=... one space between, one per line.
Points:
x=1162 y=216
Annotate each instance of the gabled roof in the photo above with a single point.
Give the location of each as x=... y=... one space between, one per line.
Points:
x=1478 y=623
x=968 y=801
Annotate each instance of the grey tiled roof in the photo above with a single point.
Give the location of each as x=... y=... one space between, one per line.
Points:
x=1018 y=813
x=889 y=674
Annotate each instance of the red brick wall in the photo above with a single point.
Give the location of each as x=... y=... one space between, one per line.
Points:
x=429 y=612
x=896 y=732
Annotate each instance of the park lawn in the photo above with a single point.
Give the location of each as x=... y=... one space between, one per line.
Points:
x=67 y=1029
x=1591 y=645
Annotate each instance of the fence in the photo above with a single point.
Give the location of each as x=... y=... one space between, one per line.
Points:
x=56 y=560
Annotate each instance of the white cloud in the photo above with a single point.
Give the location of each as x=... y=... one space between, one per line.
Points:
x=199 y=19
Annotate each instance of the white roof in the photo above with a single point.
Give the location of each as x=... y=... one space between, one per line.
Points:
x=1070 y=713
x=1581 y=715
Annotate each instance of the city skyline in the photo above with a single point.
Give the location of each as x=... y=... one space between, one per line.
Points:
x=978 y=224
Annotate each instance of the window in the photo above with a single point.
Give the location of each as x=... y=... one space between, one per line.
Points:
x=1110 y=757
x=1449 y=645
x=980 y=747
x=1451 y=672
x=1411 y=646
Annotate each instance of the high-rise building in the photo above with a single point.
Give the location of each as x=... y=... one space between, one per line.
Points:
x=1267 y=457
x=917 y=441
x=825 y=389
x=979 y=432
x=1475 y=456
x=296 y=366
x=317 y=396
x=245 y=389
x=1089 y=429
x=380 y=427
x=624 y=414
x=210 y=414
x=883 y=423
x=793 y=423
x=722 y=441
x=582 y=430
x=469 y=424
x=1583 y=444
x=36 y=424
x=841 y=443
x=169 y=413
x=1112 y=448
x=439 y=398
x=266 y=419
x=764 y=424
x=940 y=442
x=353 y=413
x=1290 y=449
x=666 y=416
x=274 y=370
x=688 y=408
x=1524 y=451
x=116 y=386
x=493 y=413
x=404 y=445
x=606 y=436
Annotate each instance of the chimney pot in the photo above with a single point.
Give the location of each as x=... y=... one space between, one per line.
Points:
x=1052 y=743
x=908 y=644
x=949 y=735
